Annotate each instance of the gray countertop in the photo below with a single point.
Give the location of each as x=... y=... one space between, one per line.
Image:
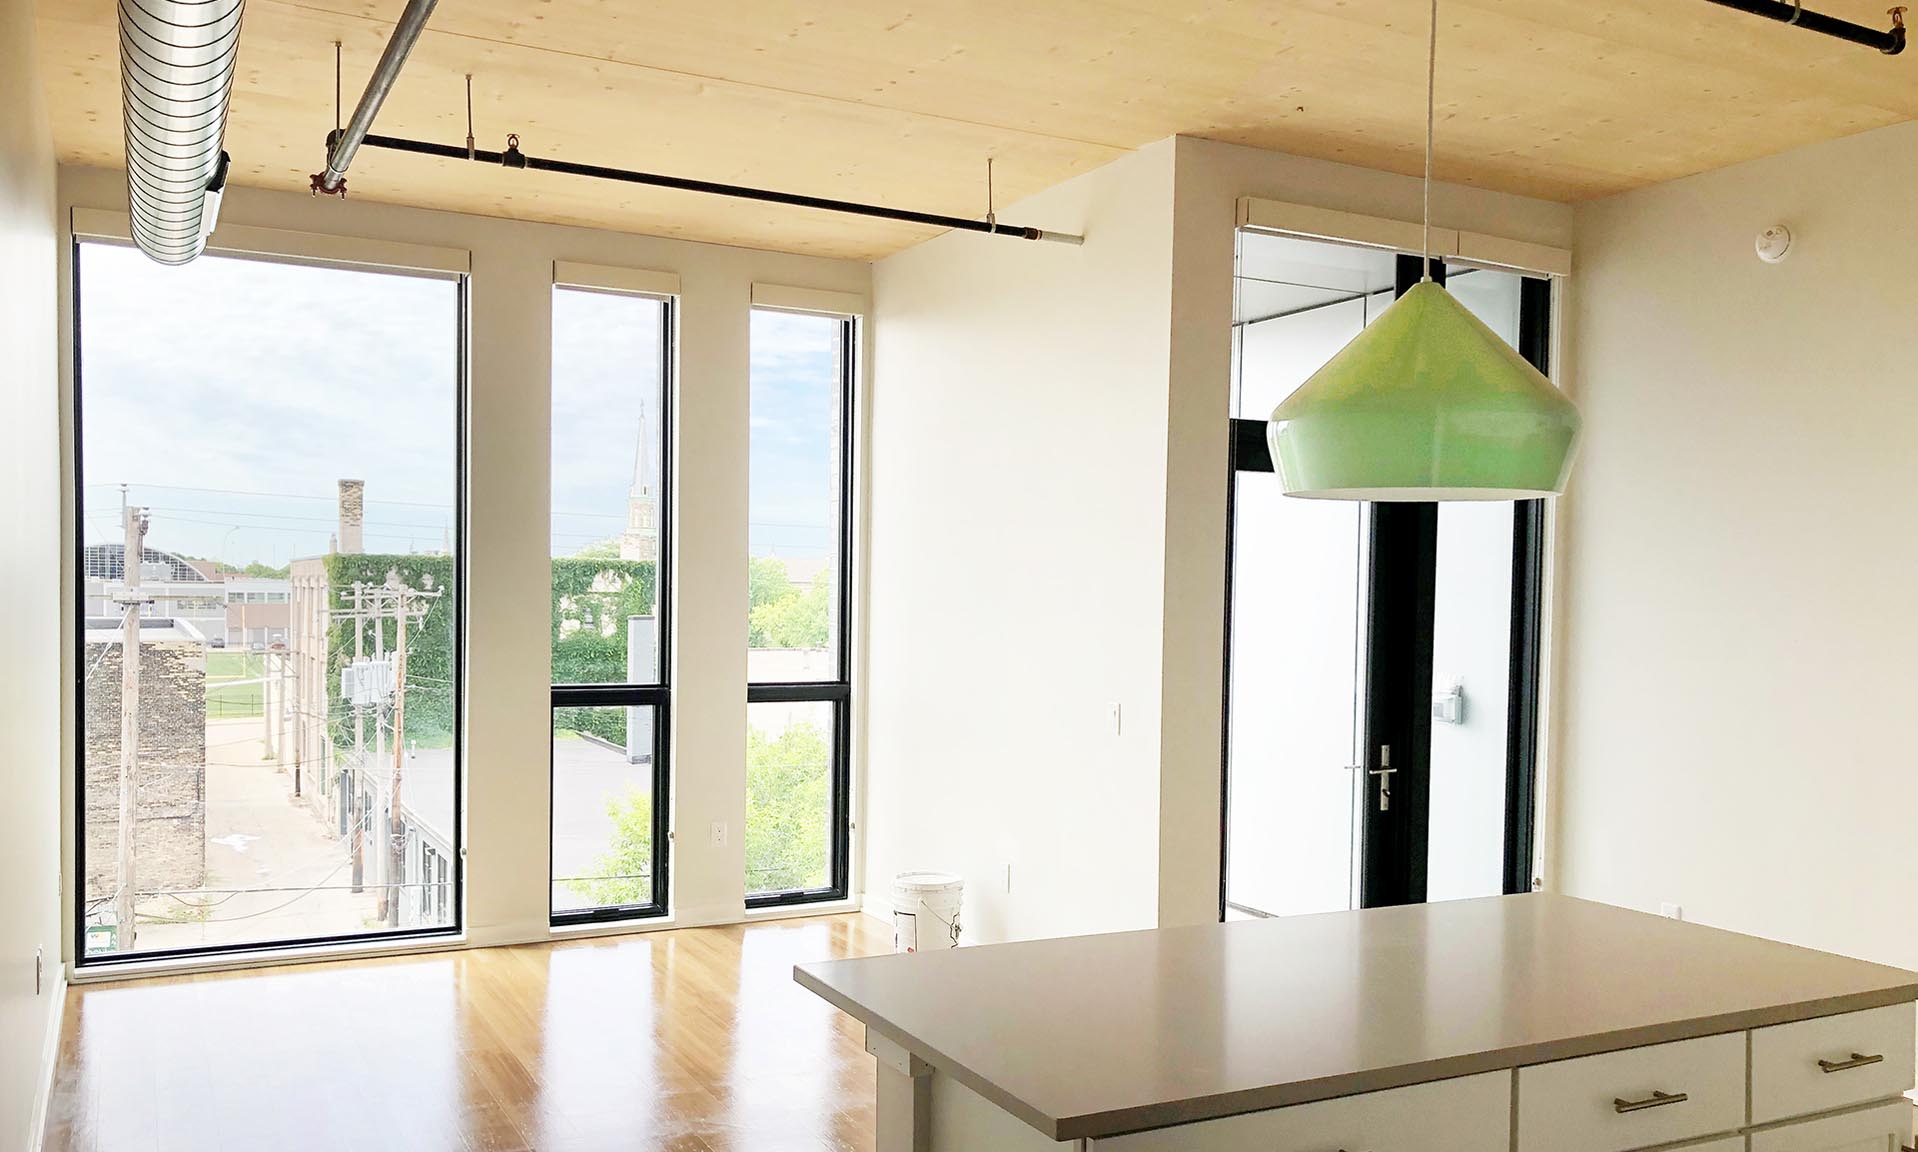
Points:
x=1098 y=1035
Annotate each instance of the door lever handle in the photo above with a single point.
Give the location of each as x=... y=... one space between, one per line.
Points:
x=1384 y=774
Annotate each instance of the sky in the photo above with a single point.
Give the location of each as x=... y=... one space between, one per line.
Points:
x=231 y=396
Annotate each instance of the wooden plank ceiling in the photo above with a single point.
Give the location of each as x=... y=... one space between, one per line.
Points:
x=901 y=103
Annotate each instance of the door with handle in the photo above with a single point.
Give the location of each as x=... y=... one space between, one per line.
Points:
x=1382 y=659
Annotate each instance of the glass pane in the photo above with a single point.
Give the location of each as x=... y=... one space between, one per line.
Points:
x=602 y=808
x=790 y=749
x=1292 y=819
x=1292 y=812
x=1472 y=656
x=1489 y=294
x=798 y=365
x=291 y=456
x=1296 y=303
x=608 y=491
x=1471 y=679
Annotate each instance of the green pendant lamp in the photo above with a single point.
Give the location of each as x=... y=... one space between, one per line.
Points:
x=1426 y=404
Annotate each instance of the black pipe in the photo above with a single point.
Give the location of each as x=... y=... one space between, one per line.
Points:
x=1891 y=42
x=514 y=158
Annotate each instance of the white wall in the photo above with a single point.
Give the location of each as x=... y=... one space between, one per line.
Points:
x=1740 y=628
x=30 y=567
x=508 y=738
x=1048 y=535
x=1018 y=498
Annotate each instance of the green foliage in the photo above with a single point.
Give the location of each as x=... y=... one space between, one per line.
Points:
x=593 y=598
x=788 y=800
x=766 y=581
x=788 y=841
x=783 y=614
x=429 y=642
x=801 y=620
x=626 y=867
x=261 y=571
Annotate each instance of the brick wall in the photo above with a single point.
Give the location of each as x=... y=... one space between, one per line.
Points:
x=170 y=827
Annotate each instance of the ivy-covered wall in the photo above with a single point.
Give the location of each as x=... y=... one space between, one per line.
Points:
x=429 y=642
x=593 y=598
x=591 y=603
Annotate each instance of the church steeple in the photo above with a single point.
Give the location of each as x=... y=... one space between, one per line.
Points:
x=640 y=540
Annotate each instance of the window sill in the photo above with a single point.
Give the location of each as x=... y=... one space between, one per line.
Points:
x=114 y=971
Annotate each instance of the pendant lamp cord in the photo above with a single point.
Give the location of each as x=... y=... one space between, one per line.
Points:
x=1431 y=82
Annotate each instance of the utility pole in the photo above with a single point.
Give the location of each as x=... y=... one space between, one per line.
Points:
x=375 y=604
x=132 y=555
x=359 y=742
x=396 y=849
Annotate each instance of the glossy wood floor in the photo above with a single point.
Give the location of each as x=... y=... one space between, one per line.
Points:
x=695 y=1040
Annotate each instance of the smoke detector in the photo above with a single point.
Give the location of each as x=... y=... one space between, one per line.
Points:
x=1773 y=243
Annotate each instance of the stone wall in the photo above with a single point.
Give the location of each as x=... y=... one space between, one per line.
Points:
x=170 y=797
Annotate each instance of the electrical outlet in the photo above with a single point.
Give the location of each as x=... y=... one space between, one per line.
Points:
x=718 y=833
x=1671 y=911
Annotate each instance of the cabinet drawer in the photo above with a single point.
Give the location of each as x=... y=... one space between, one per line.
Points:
x=1882 y=1129
x=1467 y=1114
x=1607 y=1103
x=1865 y=1056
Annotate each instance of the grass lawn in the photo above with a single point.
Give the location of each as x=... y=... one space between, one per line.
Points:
x=223 y=666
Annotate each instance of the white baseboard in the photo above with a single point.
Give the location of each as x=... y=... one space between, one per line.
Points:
x=49 y=1060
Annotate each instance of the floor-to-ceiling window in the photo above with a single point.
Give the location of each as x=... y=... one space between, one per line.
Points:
x=799 y=663
x=268 y=461
x=612 y=372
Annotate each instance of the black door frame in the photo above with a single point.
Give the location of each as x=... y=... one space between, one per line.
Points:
x=1401 y=597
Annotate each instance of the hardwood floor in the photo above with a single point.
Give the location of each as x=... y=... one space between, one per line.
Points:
x=695 y=1040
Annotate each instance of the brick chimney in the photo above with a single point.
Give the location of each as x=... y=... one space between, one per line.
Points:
x=352 y=514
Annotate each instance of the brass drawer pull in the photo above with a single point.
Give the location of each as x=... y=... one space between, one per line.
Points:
x=1655 y=1100
x=1858 y=1060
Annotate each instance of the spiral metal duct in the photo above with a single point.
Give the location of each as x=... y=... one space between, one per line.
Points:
x=177 y=60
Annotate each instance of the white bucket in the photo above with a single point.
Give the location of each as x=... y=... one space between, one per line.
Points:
x=925 y=910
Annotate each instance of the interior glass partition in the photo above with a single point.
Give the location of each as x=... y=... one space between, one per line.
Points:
x=1382 y=658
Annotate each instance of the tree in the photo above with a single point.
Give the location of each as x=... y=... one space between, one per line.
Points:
x=800 y=620
x=788 y=838
x=625 y=869
x=766 y=581
x=788 y=807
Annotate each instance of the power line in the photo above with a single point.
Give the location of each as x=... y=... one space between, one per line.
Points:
x=265 y=495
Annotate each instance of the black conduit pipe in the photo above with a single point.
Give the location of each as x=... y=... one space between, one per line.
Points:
x=514 y=158
x=1890 y=41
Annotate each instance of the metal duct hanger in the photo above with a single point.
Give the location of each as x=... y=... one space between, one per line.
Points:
x=1890 y=41
x=343 y=143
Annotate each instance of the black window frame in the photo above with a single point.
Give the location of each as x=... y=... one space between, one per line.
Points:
x=1400 y=601
x=462 y=377
x=657 y=696
x=836 y=692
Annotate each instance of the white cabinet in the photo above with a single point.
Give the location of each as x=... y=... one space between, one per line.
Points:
x=1634 y=1098
x=1831 y=1062
x=1885 y=1128
x=1467 y=1114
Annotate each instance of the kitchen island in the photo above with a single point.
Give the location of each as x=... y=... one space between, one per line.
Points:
x=1538 y=1023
